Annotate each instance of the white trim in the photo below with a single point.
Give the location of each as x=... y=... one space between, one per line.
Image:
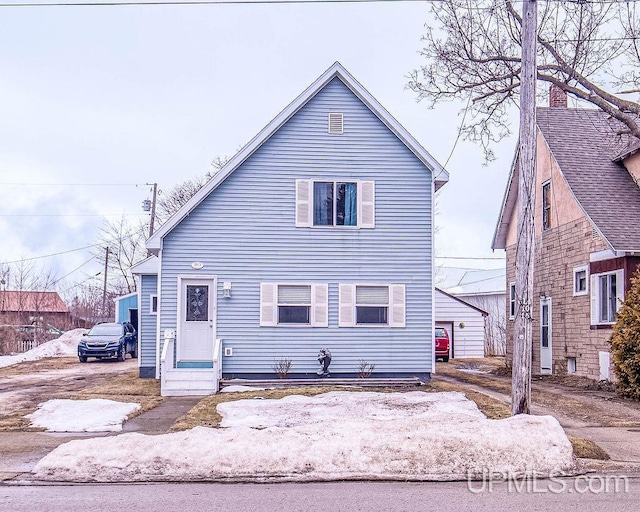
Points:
x=151 y=296
x=432 y=259
x=606 y=254
x=595 y=294
x=148 y=266
x=547 y=301
x=122 y=297
x=158 y=317
x=585 y=269
x=139 y=293
x=336 y=70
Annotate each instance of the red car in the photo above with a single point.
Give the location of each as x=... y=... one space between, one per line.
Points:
x=442 y=344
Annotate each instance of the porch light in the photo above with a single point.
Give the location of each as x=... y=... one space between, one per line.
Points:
x=226 y=289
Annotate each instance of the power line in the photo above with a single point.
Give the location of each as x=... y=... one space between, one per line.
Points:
x=49 y=255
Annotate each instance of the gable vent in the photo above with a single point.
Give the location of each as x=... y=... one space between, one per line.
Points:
x=336 y=123
x=594 y=234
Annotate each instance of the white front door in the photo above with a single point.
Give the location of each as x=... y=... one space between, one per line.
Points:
x=197 y=324
x=546 y=359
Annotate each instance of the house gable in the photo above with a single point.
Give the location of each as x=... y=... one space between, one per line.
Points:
x=337 y=71
x=245 y=234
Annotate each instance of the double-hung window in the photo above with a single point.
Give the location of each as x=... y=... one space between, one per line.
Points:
x=293 y=304
x=370 y=305
x=335 y=203
x=607 y=295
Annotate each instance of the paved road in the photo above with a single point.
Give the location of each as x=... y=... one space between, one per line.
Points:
x=586 y=495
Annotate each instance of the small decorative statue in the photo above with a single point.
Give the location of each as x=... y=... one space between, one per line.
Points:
x=324 y=358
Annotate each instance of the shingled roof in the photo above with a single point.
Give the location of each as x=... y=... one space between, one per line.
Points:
x=585 y=143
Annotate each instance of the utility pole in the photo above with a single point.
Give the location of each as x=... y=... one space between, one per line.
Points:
x=153 y=207
x=525 y=248
x=104 y=288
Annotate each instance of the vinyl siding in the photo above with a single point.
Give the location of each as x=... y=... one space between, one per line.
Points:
x=245 y=233
x=148 y=323
x=467 y=341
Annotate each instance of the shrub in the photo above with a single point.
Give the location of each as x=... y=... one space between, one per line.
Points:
x=282 y=367
x=365 y=369
x=625 y=342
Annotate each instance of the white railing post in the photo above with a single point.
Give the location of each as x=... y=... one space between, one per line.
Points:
x=166 y=359
x=217 y=364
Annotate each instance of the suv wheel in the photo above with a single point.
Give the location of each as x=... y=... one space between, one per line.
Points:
x=83 y=359
x=122 y=354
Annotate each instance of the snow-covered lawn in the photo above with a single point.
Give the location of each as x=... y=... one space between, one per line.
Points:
x=95 y=415
x=65 y=345
x=336 y=435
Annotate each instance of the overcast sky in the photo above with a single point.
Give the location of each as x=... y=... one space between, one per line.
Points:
x=97 y=101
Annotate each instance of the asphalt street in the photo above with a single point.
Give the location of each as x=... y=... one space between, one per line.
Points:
x=588 y=493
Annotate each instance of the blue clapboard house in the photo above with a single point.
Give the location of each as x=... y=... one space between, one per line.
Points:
x=318 y=233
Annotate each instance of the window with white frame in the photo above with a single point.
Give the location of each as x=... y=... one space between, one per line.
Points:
x=335 y=203
x=293 y=304
x=153 y=304
x=546 y=206
x=580 y=280
x=512 y=301
x=370 y=305
x=607 y=295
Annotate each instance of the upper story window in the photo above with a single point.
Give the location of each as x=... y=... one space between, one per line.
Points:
x=512 y=301
x=340 y=204
x=546 y=205
x=335 y=203
x=607 y=295
x=580 y=280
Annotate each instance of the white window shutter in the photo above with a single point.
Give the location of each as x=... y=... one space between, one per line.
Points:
x=319 y=305
x=366 y=204
x=397 y=308
x=346 y=314
x=303 y=203
x=268 y=304
x=620 y=285
x=595 y=307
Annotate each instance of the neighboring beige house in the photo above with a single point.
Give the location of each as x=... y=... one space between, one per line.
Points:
x=587 y=237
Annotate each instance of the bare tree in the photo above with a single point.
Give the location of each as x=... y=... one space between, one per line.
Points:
x=125 y=241
x=171 y=201
x=588 y=49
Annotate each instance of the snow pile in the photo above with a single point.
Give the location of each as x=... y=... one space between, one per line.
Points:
x=65 y=345
x=337 y=435
x=95 y=415
x=240 y=389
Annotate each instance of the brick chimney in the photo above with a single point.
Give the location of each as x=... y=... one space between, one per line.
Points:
x=557 y=97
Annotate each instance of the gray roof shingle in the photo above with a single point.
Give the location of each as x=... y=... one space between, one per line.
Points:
x=584 y=143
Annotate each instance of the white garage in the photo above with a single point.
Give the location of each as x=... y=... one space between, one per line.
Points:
x=464 y=323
